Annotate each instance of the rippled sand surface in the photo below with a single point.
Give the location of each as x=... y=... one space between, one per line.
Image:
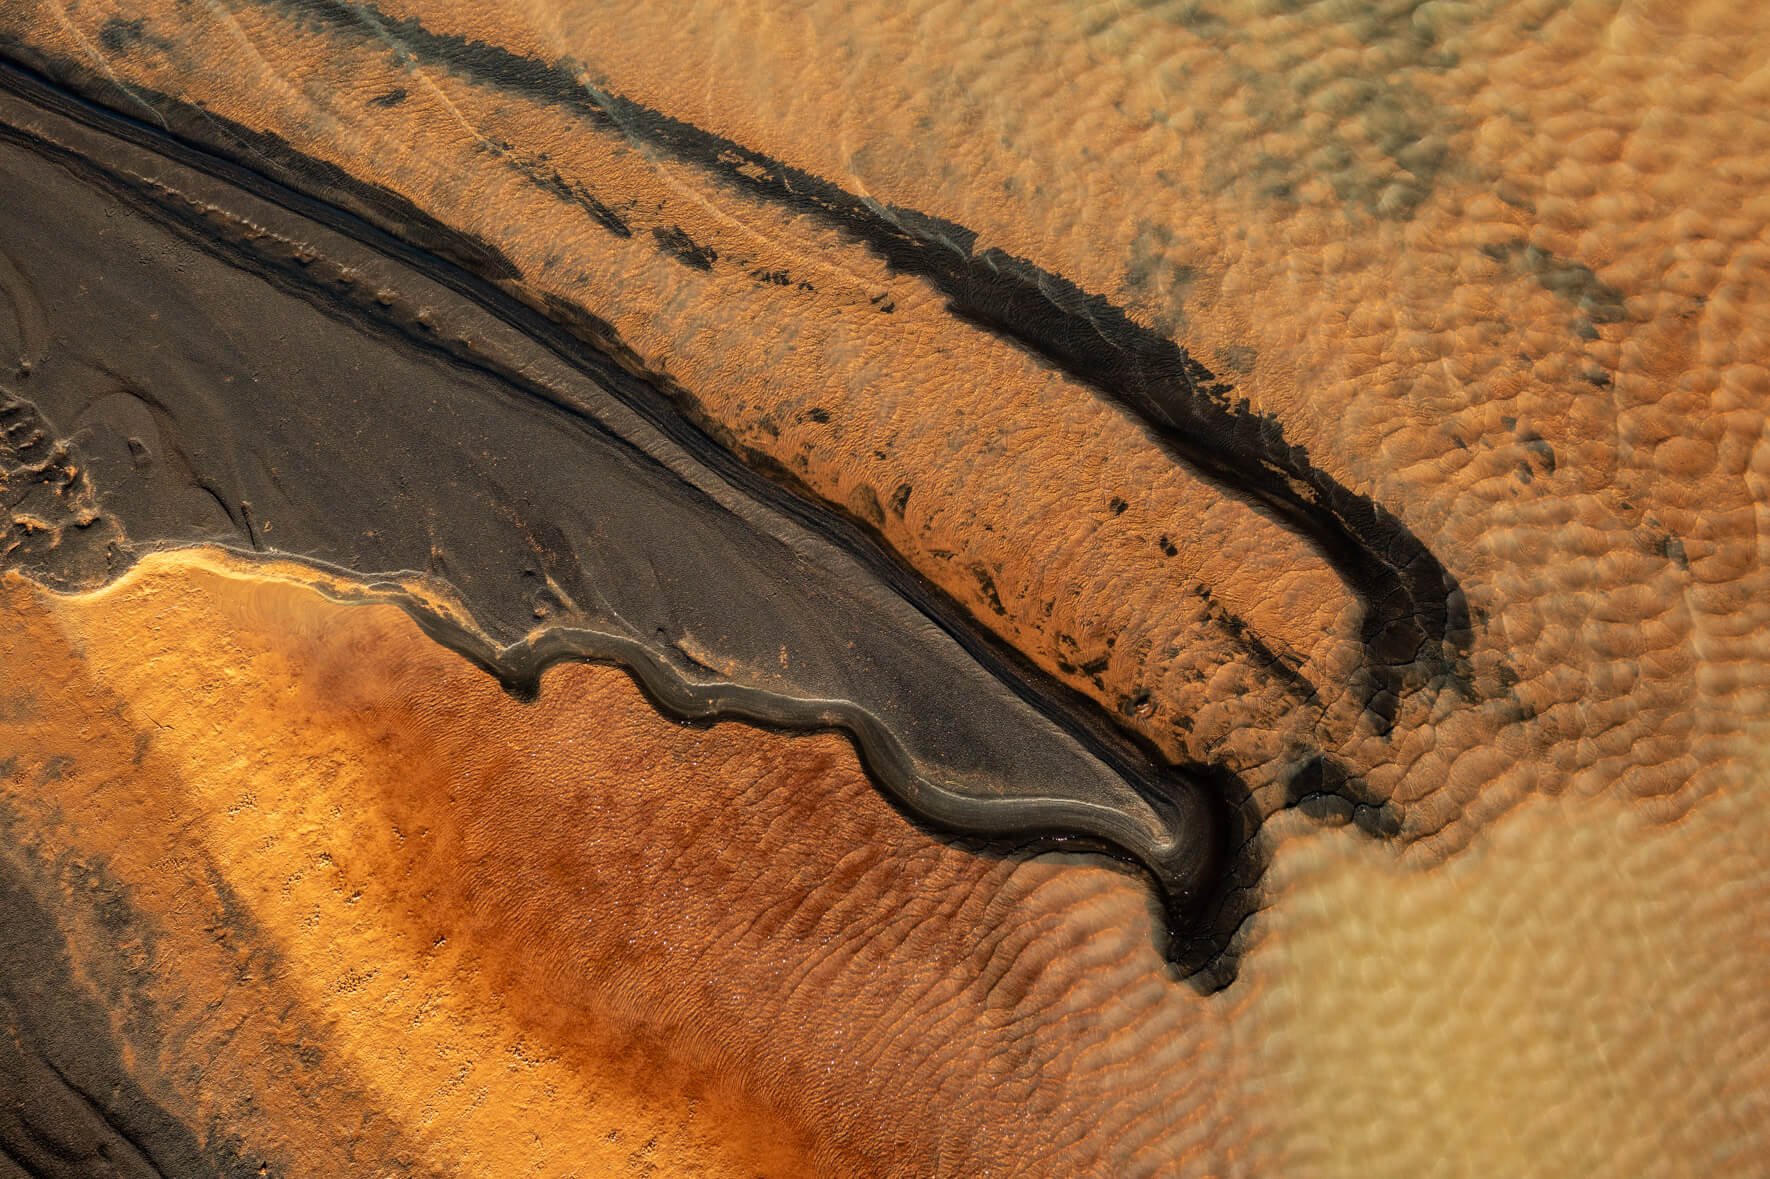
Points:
x=1358 y=407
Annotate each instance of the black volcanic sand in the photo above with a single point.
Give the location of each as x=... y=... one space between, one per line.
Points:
x=218 y=366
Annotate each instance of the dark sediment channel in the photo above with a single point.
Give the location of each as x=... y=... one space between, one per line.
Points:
x=197 y=362
x=1416 y=627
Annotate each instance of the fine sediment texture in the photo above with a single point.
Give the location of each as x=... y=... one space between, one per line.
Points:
x=301 y=891
x=1245 y=428
x=1306 y=677
x=1201 y=838
x=1489 y=314
x=268 y=921
x=1413 y=608
x=565 y=526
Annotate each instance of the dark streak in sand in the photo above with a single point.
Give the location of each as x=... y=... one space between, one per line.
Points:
x=404 y=418
x=1416 y=624
x=1192 y=825
x=74 y=1101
